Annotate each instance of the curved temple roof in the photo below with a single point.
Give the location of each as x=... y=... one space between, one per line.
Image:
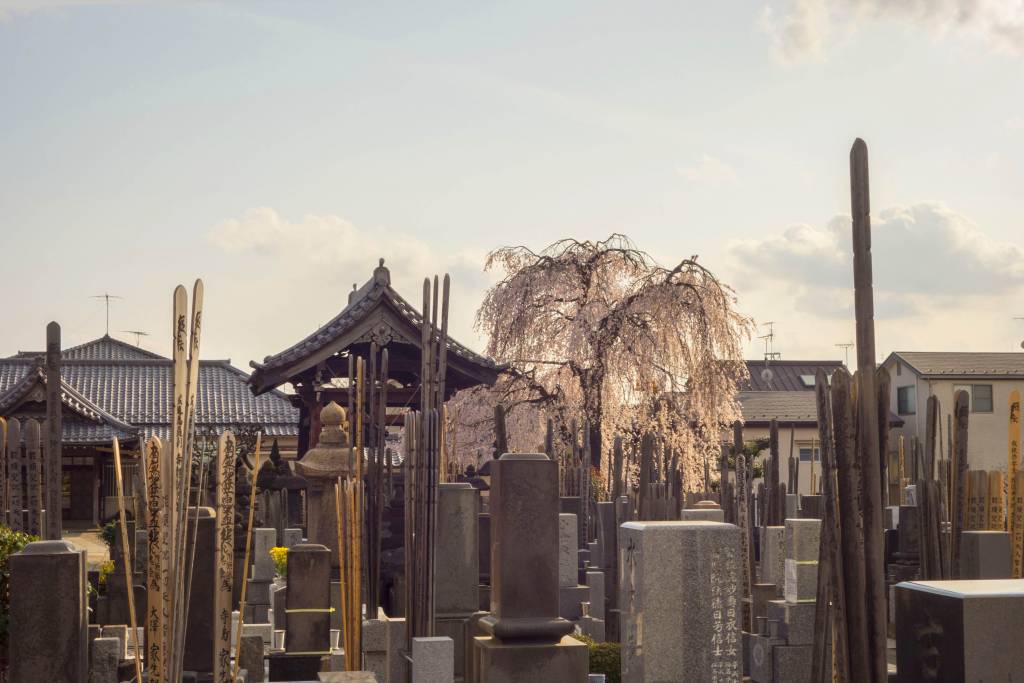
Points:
x=375 y=312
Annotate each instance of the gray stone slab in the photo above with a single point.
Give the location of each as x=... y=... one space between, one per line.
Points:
x=773 y=557
x=985 y=555
x=292 y=537
x=457 y=555
x=596 y=594
x=801 y=581
x=802 y=537
x=679 y=594
x=308 y=625
x=568 y=552
x=796 y=621
x=792 y=663
x=433 y=660
x=199 y=635
x=47 y=629
x=250 y=657
x=263 y=563
x=121 y=633
x=105 y=654
x=570 y=599
x=759 y=664
x=703 y=515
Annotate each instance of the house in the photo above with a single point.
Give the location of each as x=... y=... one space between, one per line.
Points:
x=111 y=388
x=988 y=378
x=783 y=390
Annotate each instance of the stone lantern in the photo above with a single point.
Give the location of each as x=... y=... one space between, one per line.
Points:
x=321 y=466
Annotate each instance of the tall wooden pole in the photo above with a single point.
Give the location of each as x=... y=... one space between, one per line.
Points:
x=961 y=409
x=127 y=558
x=53 y=434
x=248 y=551
x=867 y=413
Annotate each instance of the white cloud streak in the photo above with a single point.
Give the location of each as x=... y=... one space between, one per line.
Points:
x=802 y=30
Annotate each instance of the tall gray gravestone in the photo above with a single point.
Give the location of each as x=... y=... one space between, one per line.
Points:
x=528 y=640
x=53 y=433
x=48 y=629
x=680 y=598
x=199 y=635
x=308 y=623
x=457 y=570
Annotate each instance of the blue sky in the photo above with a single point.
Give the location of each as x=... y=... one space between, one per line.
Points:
x=278 y=149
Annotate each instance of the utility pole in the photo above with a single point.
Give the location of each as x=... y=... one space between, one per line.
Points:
x=107 y=297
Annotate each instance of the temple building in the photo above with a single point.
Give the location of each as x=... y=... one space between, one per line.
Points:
x=317 y=366
x=110 y=388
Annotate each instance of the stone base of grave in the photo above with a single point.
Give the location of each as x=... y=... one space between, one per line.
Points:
x=570 y=601
x=796 y=620
x=292 y=667
x=456 y=627
x=566 y=661
x=383 y=646
x=985 y=555
x=350 y=677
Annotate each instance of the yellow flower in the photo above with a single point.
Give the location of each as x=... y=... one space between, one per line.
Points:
x=105 y=569
x=280 y=557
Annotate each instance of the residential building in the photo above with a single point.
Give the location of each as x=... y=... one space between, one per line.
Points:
x=988 y=378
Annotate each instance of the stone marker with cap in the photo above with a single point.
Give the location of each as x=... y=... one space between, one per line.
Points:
x=48 y=628
x=457 y=570
x=526 y=638
x=308 y=632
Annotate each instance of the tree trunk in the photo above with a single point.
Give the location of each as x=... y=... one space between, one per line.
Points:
x=591 y=384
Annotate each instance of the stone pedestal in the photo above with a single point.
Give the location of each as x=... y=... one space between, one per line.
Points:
x=679 y=593
x=199 y=649
x=959 y=630
x=104 y=655
x=526 y=640
x=523 y=662
x=48 y=628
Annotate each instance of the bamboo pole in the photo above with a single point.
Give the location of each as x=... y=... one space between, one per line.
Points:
x=127 y=558
x=248 y=550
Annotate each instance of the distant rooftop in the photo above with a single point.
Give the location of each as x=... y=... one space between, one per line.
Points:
x=962 y=364
x=786 y=375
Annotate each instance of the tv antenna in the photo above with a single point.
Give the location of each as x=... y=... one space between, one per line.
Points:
x=769 y=347
x=846 y=350
x=139 y=334
x=1022 y=343
x=107 y=297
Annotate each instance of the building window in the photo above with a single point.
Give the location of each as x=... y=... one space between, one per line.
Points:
x=980 y=396
x=808 y=380
x=906 y=400
x=806 y=452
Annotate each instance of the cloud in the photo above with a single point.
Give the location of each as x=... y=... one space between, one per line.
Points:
x=12 y=8
x=709 y=170
x=803 y=29
x=317 y=257
x=923 y=255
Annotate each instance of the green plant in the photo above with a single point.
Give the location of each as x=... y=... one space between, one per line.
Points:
x=109 y=535
x=10 y=543
x=605 y=658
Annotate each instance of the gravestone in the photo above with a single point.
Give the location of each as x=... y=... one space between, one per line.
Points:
x=432 y=659
x=773 y=557
x=457 y=570
x=48 y=627
x=680 y=598
x=250 y=658
x=257 y=595
x=15 y=475
x=959 y=630
x=308 y=624
x=527 y=639
x=104 y=655
x=199 y=636
x=985 y=555
x=33 y=479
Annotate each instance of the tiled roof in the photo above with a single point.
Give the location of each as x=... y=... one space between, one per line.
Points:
x=361 y=302
x=133 y=386
x=784 y=406
x=800 y=407
x=962 y=364
x=786 y=375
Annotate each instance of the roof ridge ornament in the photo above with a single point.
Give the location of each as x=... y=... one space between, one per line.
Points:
x=381 y=274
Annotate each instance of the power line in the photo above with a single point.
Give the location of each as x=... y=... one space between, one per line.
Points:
x=107 y=297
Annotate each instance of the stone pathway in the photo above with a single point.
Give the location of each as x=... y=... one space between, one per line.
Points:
x=90 y=541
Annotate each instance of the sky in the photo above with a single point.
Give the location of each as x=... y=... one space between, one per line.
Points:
x=279 y=149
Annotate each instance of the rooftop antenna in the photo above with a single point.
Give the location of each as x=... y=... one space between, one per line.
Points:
x=139 y=334
x=846 y=350
x=107 y=297
x=769 y=347
x=1022 y=343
